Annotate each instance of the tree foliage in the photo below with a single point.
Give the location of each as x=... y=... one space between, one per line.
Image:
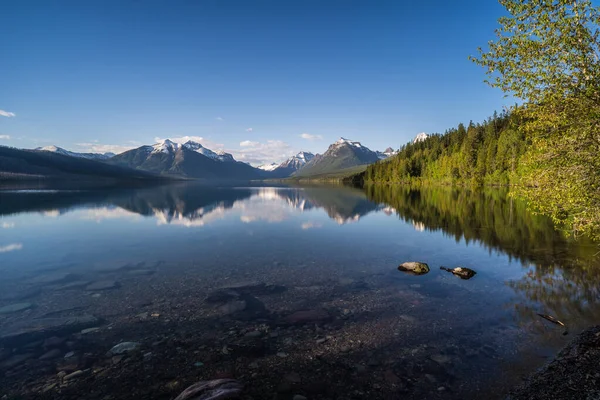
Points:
x=547 y=53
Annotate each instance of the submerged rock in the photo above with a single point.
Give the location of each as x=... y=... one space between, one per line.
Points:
x=308 y=316
x=12 y=308
x=232 y=307
x=222 y=295
x=461 y=272
x=53 y=277
x=102 y=285
x=414 y=267
x=20 y=295
x=44 y=328
x=212 y=390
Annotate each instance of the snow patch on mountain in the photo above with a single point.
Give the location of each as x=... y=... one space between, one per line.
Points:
x=268 y=167
x=350 y=142
x=420 y=137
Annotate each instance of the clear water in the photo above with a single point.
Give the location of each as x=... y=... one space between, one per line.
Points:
x=387 y=333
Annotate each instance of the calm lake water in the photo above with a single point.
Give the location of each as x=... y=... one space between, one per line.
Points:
x=304 y=294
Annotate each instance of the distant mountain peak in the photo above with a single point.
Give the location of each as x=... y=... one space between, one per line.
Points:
x=420 y=137
x=268 y=167
x=89 y=156
x=342 y=140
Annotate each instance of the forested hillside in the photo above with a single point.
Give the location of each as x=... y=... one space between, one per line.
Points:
x=488 y=153
x=547 y=55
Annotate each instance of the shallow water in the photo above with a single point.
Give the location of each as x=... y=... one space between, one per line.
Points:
x=144 y=261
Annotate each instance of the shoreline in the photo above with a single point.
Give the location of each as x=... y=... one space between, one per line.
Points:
x=572 y=374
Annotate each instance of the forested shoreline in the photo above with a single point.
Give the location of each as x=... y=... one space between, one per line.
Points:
x=482 y=153
x=547 y=147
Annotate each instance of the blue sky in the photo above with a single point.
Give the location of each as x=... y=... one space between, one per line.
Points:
x=250 y=77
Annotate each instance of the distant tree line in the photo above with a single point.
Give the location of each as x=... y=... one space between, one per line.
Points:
x=482 y=153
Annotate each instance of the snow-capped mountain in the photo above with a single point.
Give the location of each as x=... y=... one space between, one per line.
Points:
x=89 y=156
x=190 y=159
x=219 y=155
x=342 y=154
x=386 y=153
x=289 y=166
x=268 y=167
x=169 y=147
x=420 y=137
x=298 y=161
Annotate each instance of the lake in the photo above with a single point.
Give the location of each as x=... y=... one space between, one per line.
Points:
x=293 y=291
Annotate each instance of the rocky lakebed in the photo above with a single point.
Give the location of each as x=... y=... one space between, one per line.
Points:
x=149 y=330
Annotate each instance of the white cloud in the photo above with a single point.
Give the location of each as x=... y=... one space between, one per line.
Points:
x=5 y=137
x=219 y=119
x=257 y=153
x=8 y=225
x=93 y=147
x=7 y=114
x=249 y=130
x=11 y=247
x=309 y=136
x=310 y=225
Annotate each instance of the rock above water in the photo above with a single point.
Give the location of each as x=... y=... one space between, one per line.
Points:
x=308 y=316
x=12 y=308
x=124 y=347
x=212 y=390
x=461 y=272
x=102 y=285
x=414 y=267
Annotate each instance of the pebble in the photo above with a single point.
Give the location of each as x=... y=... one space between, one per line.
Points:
x=89 y=330
x=253 y=365
x=61 y=374
x=321 y=341
x=73 y=375
x=124 y=347
x=299 y=397
x=281 y=354
x=70 y=354
x=440 y=358
x=253 y=334
x=441 y=389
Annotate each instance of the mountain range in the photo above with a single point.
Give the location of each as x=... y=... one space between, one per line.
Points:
x=43 y=166
x=89 y=156
x=194 y=161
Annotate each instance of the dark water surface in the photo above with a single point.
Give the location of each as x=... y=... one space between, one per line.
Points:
x=139 y=265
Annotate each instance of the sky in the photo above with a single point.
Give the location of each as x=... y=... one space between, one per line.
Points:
x=261 y=79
